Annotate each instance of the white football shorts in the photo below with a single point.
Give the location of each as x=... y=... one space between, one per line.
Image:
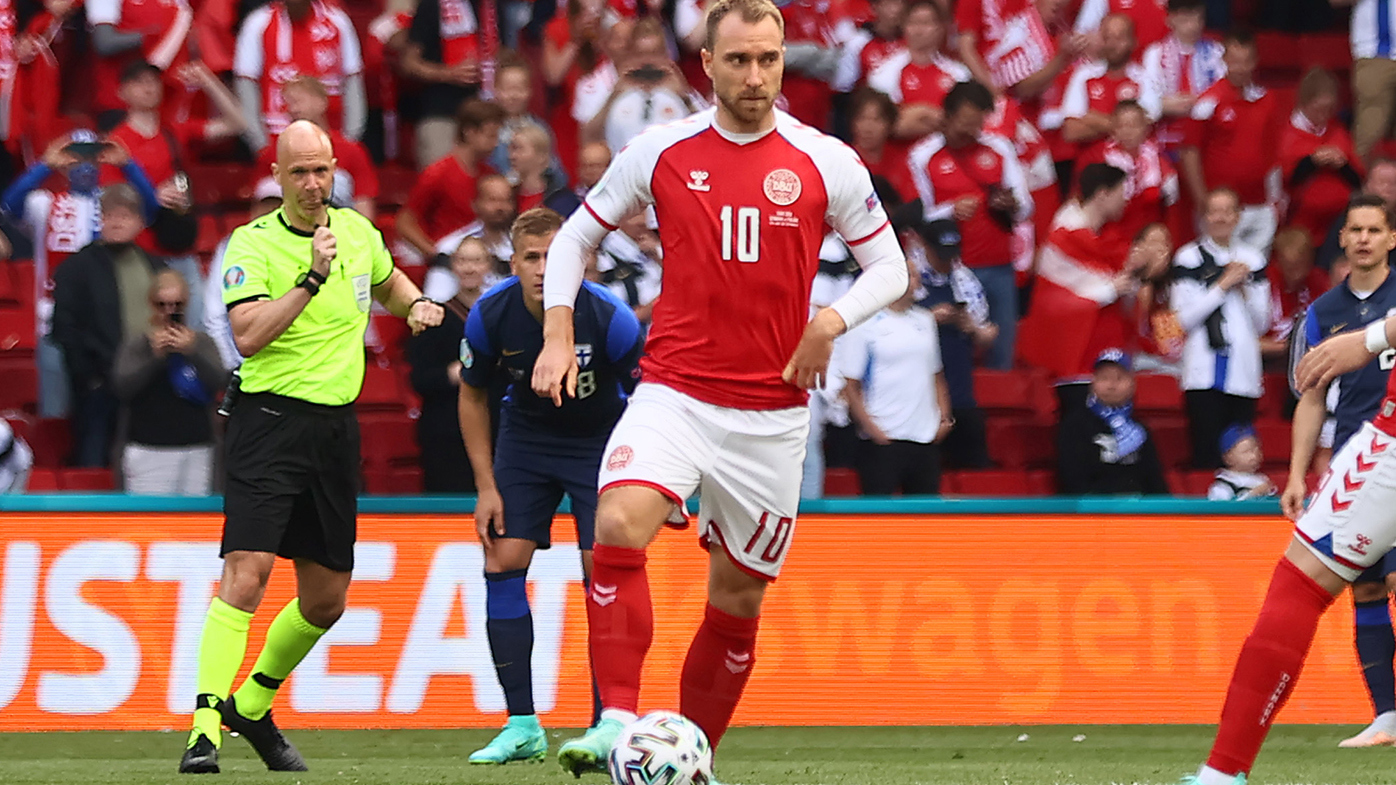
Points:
x=1351 y=522
x=745 y=465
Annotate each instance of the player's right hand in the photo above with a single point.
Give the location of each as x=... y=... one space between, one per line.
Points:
x=1292 y=500
x=489 y=516
x=556 y=371
x=323 y=250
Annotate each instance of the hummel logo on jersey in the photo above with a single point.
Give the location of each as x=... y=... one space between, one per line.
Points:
x=603 y=595
x=738 y=661
x=698 y=181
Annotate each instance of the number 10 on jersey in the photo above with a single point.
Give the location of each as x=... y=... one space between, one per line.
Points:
x=745 y=234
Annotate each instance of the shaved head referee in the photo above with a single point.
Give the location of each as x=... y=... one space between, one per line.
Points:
x=298 y=284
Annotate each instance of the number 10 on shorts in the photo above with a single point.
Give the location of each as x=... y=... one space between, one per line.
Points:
x=746 y=233
x=778 y=530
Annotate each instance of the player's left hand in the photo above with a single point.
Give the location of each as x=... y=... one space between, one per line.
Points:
x=809 y=366
x=489 y=516
x=425 y=314
x=1334 y=357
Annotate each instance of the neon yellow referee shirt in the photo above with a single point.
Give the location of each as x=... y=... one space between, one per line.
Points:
x=320 y=357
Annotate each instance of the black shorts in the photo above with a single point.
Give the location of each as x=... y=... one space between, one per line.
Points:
x=1377 y=573
x=292 y=480
x=533 y=478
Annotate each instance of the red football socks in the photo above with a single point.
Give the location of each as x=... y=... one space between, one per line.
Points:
x=621 y=623
x=1268 y=666
x=716 y=670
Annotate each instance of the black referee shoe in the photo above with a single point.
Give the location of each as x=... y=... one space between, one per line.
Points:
x=201 y=757
x=271 y=746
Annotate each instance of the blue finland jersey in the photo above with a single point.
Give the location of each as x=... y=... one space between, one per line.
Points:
x=1338 y=311
x=502 y=337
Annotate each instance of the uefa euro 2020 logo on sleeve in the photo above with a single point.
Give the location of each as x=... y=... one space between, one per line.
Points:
x=234 y=277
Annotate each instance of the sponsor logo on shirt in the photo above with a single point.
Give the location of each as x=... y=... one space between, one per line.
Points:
x=234 y=277
x=782 y=187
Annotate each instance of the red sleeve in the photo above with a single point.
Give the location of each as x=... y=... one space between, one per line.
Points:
x=969 y=17
x=357 y=163
x=1194 y=132
x=1319 y=281
x=1095 y=154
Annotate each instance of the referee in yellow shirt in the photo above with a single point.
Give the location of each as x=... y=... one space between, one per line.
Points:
x=298 y=284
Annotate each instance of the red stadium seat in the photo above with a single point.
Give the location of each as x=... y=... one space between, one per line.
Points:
x=1331 y=51
x=1277 y=51
x=405 y=480
x=377 y=482
x=43 y=481
x=1020 y=393
x=1020 y=443
x=1276 y=397
x=86 y=480
x=1157 y=393
x=1177 y=482
x=210 y=234
x=20 y=390
x=17 y=328
x=842 y=482
x=1042 y=482
x=386 y=439
x=1275 y=439
x=1172 y=442
x=380 y=392
x=390 y=337
x=1197 y=482
x=51 y=440
x=992 y=482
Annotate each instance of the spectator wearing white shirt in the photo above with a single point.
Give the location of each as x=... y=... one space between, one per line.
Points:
x=629 y=262
x=875 y=41
x=896 y=393
x=1181 y=67
x=649 y=89
x=1222 y=298
x=495 y=209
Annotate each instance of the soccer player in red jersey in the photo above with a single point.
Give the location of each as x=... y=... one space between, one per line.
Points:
x=742 y=194
x=1348 y=527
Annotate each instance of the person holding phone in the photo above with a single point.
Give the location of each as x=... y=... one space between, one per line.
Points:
x=649 y=89
x=166 y=379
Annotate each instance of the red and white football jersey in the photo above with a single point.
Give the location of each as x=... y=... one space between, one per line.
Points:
x=272 y=50
x=1009 y=34
x=1151 y=186
x=863 y=55
x=906 y=82
x=741 y=219
x=1093 y=88
x=1034 y=154
x=164 y=26
x=944 y=176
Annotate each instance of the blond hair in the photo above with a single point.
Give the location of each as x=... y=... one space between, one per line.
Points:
x=751 y=12
x=538 y=222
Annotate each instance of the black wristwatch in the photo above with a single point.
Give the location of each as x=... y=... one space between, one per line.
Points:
x=423 y=299
x=310 y=281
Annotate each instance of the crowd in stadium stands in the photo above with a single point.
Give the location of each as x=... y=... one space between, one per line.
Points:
x=1115 y=210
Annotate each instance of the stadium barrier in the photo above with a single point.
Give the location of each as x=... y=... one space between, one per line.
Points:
x=915 y=612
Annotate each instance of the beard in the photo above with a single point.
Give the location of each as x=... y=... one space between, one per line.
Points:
x=747 y=111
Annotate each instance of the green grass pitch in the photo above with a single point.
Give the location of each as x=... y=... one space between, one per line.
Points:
x=750 y=756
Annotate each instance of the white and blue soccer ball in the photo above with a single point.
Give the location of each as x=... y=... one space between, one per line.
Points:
x=662 y=748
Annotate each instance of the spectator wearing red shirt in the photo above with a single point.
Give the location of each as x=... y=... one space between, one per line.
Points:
x=1151 y=184
x=1078 y=305
x=1294 y=285
x=874 y=42
x=1006 y=46
x=1150 y=18
x=1320 y=165
x=571 y=48
x=287 y=38
x=973 y=177
x=443 y=55
x=815 y=31
x=918 y=77
x=872 y=117
x=124 y=31
x=161 y=147
x=1232 y=141
x=1039 y=170
x=440 y=203
x=1096 y=87
x=355 y=176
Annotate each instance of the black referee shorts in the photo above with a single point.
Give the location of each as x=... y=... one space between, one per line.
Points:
x=292 y=480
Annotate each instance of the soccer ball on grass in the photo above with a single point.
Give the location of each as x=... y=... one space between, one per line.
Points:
x=661 y=748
